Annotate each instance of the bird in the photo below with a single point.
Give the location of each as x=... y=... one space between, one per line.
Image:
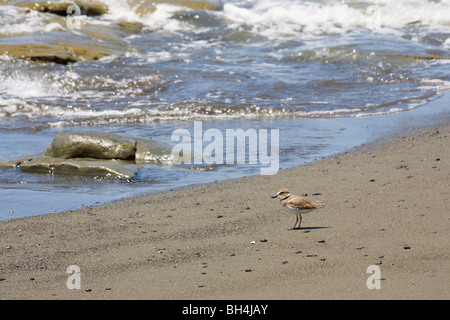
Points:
x=298 y=205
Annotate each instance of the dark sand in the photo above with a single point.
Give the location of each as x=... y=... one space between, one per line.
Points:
x=386 y=205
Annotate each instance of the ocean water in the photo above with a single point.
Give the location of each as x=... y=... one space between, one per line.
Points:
x=328 y=75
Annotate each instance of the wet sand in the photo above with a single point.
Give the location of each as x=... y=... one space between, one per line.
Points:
x=386 y=205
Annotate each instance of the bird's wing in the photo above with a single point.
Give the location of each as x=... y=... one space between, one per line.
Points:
x=302 y=203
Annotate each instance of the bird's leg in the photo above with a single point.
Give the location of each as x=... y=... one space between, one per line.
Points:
x=296 y=221
x=300 y=223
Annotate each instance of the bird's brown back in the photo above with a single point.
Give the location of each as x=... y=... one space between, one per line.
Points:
x=301 y=203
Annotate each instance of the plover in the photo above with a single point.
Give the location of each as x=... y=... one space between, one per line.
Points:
x=296 y=204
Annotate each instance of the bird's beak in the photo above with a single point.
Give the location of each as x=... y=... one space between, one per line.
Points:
x=274 y=196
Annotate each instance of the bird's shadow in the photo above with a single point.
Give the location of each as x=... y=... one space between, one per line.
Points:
x=308 y=228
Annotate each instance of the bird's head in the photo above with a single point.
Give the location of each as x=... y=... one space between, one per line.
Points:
x=282 y=194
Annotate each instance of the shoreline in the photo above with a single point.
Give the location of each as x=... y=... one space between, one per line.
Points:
x=386 y=205
x=49 y=199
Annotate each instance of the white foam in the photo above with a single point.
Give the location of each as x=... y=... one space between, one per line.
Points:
x=274 y=18
x=24 y=87
x=120 y=10
x=160 y=19
x=437 y=85
x=270 y=18
x=447 y=43
x=60 y=116
x=16 y=21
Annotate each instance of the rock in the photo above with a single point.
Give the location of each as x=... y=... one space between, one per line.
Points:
x=150 y=151
x=7 y=165
x=131 y=27
x=82 y=40
x=144 y=8
x=88 y=8
x=64 y=47
x=92 y=144
x=434 y=133
x=196 y=4
x=93 y=153
x=81 y=167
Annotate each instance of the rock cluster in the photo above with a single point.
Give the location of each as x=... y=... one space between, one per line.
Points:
x=87 y=40
x=93 y=153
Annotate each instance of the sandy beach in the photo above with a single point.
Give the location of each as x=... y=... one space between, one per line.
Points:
x=387 y=205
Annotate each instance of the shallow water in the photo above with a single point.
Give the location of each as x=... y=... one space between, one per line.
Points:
x=328 y=75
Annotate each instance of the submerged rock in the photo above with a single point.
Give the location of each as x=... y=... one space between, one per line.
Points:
x=7 y=165
x=63 y=47
x=81 y=167
x=143 y=8
x=92 y=144
x=85 y=40
x=81 y=40
x=150 y=151
x=88 y=8
x=130 y=27
x=95 y=8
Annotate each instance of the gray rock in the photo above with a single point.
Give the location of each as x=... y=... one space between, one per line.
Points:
x=81 y=167
x=150 y=151
x=92 y=144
